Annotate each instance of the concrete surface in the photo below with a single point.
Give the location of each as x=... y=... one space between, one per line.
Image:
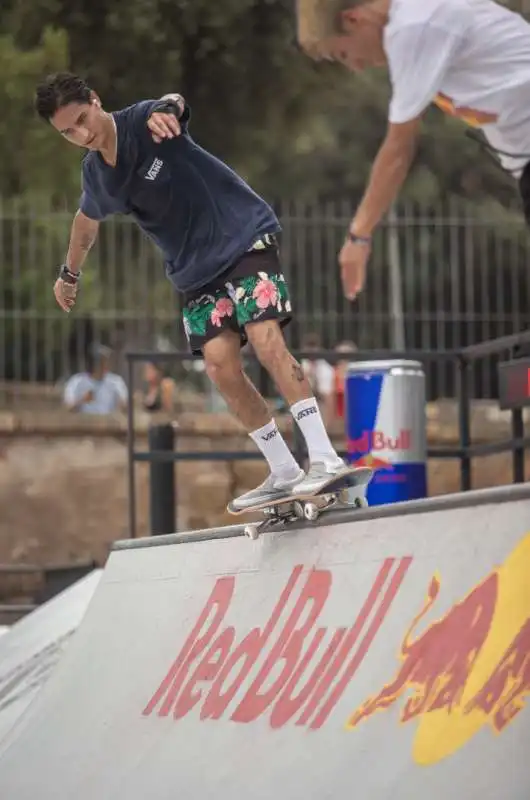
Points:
x=386 y=656
x=31 y=648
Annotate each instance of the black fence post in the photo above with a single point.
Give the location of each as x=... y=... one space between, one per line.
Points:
x=518 y=452
x=162 y=481
x=130 y=449
x=464 y=416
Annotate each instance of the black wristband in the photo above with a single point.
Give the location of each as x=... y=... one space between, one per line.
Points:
x=172 y=107
x=67 y=276
x=359 y=239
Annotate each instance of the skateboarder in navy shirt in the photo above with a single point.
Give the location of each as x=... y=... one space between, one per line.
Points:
x=218 y=240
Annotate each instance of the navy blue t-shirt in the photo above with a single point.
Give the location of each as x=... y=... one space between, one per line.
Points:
x=199 y=212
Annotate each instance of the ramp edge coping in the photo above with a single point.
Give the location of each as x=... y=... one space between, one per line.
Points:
x=447 y=502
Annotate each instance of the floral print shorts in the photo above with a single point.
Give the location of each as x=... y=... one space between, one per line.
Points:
x=253 y=291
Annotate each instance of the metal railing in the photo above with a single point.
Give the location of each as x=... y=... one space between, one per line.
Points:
x=441 y=277
x=462 y=360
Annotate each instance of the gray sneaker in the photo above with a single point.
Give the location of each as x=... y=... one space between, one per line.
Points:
x=272 y=488
x=319 y=474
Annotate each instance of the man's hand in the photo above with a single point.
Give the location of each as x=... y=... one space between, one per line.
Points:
x=65 y=294
x=353 y=259
x=163 y=126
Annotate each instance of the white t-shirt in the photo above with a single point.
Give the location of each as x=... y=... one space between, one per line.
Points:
x=320 y=375
x=108 y=392
x=471 y=58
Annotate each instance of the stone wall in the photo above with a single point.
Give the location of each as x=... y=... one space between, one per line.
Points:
x=63 y=479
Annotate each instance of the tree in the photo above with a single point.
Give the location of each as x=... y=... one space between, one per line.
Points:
x=229 y=60
x=34 y=161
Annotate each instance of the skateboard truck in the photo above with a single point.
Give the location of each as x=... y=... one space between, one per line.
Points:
x=309 y=510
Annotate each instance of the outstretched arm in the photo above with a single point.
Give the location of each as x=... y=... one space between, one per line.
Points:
x=82 y=236
x=389 y=170
x=419 y=56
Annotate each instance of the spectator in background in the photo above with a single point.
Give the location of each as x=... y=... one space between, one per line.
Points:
x=159 y=391
x=339 y=377
x=98 y=390
x=320 y=375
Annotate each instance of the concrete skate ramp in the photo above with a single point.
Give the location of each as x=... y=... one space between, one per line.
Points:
x=387 y=656
x=32 y=647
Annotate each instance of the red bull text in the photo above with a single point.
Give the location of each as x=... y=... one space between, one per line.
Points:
x=385 y=426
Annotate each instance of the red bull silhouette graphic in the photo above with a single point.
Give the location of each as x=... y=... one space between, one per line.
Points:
x=468 y=669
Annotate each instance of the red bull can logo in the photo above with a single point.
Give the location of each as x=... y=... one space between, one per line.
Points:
x=379 y=440
x=385 y=428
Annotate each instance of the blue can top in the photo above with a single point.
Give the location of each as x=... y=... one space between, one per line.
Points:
x=392 y=366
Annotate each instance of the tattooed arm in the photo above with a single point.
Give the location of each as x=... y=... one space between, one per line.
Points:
x=82 y=237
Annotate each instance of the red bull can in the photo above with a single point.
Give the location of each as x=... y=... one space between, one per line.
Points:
x=386 y=427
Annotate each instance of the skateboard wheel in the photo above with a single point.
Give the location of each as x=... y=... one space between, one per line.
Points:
x=298 y=509
x=361 y=502
x=251 y=531
x=311 y=512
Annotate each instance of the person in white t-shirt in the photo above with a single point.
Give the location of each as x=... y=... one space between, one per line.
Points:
x=98 y=390
x=470 y=57
x=320 y=374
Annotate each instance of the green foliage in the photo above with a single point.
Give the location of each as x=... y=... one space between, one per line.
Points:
x=296 y=130
x=292 y=127
x=33 y=161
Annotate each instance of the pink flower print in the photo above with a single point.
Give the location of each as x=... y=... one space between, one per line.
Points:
x=265 y=293
x=223 y=308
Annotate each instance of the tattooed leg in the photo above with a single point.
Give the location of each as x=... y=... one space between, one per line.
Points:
x=271 y=350
x=270 y=347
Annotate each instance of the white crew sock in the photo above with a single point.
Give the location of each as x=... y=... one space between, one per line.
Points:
x=274 y=447
x=307 y=416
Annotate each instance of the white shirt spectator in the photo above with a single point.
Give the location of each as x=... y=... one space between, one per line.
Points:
x=320 y=375
x=471 y=58
x=104 y=396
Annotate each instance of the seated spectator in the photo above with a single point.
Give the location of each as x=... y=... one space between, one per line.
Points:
x=98 y=390
x=340 y=376
x=320 y=375
x=159 y=392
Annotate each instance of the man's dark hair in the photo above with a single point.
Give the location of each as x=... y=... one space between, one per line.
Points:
x=59 y=90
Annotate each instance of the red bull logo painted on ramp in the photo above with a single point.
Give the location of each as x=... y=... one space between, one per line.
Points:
x=468 y=670
x=291 y=669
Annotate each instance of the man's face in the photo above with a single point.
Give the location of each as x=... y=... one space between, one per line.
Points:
x=360 y=44
x=101 y=366
x=83 y=124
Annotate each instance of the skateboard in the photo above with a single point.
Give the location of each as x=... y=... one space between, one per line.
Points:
x=346 y=491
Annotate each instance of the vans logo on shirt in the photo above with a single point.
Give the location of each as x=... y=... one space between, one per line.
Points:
x=154 y=169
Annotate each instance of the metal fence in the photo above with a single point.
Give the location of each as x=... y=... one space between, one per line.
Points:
x=439 y=278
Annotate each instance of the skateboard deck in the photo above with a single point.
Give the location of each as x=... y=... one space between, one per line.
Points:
x=346 y=491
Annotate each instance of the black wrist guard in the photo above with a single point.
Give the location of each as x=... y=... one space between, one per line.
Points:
x=67 y=276
x=172 y=107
